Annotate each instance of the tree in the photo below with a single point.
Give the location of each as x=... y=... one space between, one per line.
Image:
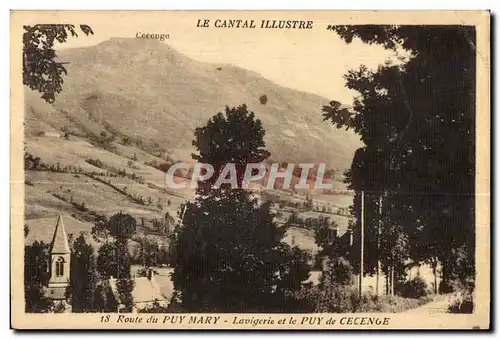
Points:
x=100 y=231
x=122 y=226
x=84 y=276
x=125 y=286
x=36 y=276
x=150 y=254
x=338 y=270
x=294 y=218
x=416 y=120
x=113 y=260
x=325 y=235
x=308 y=204
x=335 y=294
x=31 y=162
x=234 y=137
x=41 y=71
x=238 y=248
x=228 y=254
x=169 y=223
x=295 y=269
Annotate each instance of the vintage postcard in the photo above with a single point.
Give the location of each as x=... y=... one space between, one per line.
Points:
x=250 y=170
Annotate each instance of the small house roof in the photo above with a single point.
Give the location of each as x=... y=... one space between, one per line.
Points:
x=145 y=290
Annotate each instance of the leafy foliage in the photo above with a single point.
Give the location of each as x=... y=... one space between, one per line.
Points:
x=234 y=137
x=337 y=271
x=100 y=231
x=325 y=235
x=238 y=249
x=156 y=307
x=36 y=276
x=31 y=162
x=166 y=225
x=151 y=253
x=417 y=122
x=414 y=288
x=125 y=286
x=228 y=254
x=41 y=71
x=341 y=117
x=462 y=302
x=104 y=300
x=84 y=276
x=335 y=292
x=122 y=226
x=113 y=260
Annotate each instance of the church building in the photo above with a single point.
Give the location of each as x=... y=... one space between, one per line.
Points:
x=145 y=293
x=59 y=267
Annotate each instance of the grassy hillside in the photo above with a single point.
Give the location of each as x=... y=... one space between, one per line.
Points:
x=42 y=229
x=147 y=91
x=128 y=103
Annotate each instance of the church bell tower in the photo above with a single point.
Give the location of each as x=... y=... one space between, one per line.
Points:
x=60 y=256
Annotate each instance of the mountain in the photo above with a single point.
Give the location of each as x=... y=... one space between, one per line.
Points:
x=148 y=92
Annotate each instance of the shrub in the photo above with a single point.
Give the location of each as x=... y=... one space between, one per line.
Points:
x=143 y=272
x=162 y=166
x=461 y=303
x=95 y=162
x=389 y=304
x=445 y=287
x=336 y=293
x=414 y=288
x=59 y=307
x=337 y=298
x=155 y=307
x=338 y=271
x=32 y=163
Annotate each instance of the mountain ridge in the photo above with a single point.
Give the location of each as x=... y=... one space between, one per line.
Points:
x=148 y=91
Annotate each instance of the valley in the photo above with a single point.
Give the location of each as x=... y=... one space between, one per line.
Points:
x=103 y=147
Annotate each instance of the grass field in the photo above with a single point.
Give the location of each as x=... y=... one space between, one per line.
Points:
x=48 y=194
x=95 y=195
x=302 y=238
x=42 y=229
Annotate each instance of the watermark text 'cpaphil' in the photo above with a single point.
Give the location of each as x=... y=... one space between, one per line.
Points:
x=293 y=176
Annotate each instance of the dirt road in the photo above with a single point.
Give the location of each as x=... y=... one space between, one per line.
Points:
x=437 y=306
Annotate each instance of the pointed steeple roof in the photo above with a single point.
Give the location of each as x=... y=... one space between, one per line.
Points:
x=60 y=239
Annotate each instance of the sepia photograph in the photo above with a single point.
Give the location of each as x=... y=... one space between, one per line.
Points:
x=250 y=170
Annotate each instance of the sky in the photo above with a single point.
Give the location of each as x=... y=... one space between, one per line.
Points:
x=313 y=60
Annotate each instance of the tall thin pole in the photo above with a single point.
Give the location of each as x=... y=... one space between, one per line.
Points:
x=362 y=244
x=392 y=279
x=143 y=243
x=378 y=242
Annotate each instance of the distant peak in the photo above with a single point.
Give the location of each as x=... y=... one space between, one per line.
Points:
x=138 y=44
x=133 y=41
